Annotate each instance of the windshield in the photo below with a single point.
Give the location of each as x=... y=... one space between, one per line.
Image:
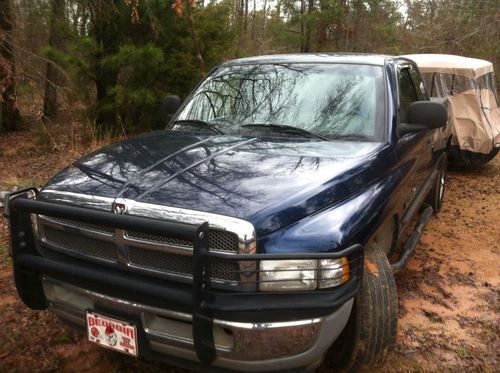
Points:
x=330 y=100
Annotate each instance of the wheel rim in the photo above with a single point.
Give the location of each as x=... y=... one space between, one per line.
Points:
x=441 y=186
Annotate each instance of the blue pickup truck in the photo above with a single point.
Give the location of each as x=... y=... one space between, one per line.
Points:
x=260 y=231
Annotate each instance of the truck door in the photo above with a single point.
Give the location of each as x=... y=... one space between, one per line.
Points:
x=413 y=150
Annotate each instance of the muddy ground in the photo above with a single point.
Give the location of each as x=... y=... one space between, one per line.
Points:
x=449 y=296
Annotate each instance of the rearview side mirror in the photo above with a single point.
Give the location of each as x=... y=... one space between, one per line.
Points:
x=424 y=115
x=170 y=105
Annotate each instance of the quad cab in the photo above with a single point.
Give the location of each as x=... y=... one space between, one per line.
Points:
x=253 y=233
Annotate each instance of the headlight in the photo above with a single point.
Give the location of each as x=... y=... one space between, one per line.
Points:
x=289 y=275
x=283 y=275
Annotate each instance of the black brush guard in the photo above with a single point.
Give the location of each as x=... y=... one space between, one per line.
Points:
x=203 y=301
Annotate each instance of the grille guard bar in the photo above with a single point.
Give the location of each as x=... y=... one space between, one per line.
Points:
x=205 y=303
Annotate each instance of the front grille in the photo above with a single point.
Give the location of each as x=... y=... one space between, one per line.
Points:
x=141 y=236
x=226 y=271
x=99 y=243
x=160 y=261
x=218 y=240
x=81 y=244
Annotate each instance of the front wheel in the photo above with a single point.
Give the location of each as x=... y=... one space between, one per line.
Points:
x=371 y=330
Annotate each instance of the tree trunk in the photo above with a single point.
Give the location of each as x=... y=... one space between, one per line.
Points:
x=9 y=114
x=307 y=43
x=194 y=36
x=245 y=20
x=253 y=21
x=302 y=25
x=81 y=19
x=105 y=30
x=265 y=14
x=53 y=77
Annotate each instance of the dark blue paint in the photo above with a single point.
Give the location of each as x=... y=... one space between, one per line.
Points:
x=300 y=194
x=270 y=182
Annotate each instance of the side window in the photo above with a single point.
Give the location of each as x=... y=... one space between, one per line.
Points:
x=419 y=85
x=407 y=94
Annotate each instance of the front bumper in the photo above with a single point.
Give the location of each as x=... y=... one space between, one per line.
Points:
x=193 y=322
x=239 y=346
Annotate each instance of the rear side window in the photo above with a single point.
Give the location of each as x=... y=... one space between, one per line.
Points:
x=419 y=84
x=407 y=94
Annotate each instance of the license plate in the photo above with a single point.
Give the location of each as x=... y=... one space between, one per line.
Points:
x=111 y=333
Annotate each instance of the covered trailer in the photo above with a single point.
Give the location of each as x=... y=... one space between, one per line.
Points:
x=473 y=110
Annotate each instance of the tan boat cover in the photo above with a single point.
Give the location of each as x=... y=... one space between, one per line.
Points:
x=474 y=129
x=449 y=64
x=474 y=114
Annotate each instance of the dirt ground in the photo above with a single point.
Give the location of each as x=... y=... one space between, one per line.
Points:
x=449 y=296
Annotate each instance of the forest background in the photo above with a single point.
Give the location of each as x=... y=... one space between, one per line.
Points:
x=108 y=63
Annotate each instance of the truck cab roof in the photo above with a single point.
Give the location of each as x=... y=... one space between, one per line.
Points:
x=345 y=58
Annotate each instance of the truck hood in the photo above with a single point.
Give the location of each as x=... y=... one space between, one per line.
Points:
x=268 y=181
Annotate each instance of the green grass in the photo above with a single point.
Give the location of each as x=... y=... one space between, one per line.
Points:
x=63 y=338
x=463 y=352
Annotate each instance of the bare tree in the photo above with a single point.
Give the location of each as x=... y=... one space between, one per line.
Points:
x=53 y=78
x=9 y=114
x=105 y=22
x=309 y=25
x=302 y=26
x=194 y=36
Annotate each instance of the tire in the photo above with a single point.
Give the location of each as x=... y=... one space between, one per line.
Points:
x=371 y=330
x=466 y=160
x=436 y=194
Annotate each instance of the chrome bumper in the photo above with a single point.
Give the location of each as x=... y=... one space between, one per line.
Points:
x=240 y=346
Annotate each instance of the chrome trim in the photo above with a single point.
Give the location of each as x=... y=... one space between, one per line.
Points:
x=34 y=224
x=71 y=302
x=156 y=246
x=78 y=199
x=242 y=228
x=268 y=325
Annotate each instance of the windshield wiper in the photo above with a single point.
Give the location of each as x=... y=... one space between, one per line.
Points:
x=285 y=129
x=197 y=123
x=352 y=137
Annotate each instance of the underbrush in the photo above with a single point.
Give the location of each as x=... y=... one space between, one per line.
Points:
x=29 y=157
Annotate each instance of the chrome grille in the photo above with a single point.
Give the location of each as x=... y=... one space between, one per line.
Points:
x=180 y=264
x=160 y=261
x=223 y=241
x=100 y=243
x=141 y=236
x=218 y=240
x=81 y=244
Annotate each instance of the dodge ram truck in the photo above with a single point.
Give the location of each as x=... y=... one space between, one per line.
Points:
x=259 y=231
